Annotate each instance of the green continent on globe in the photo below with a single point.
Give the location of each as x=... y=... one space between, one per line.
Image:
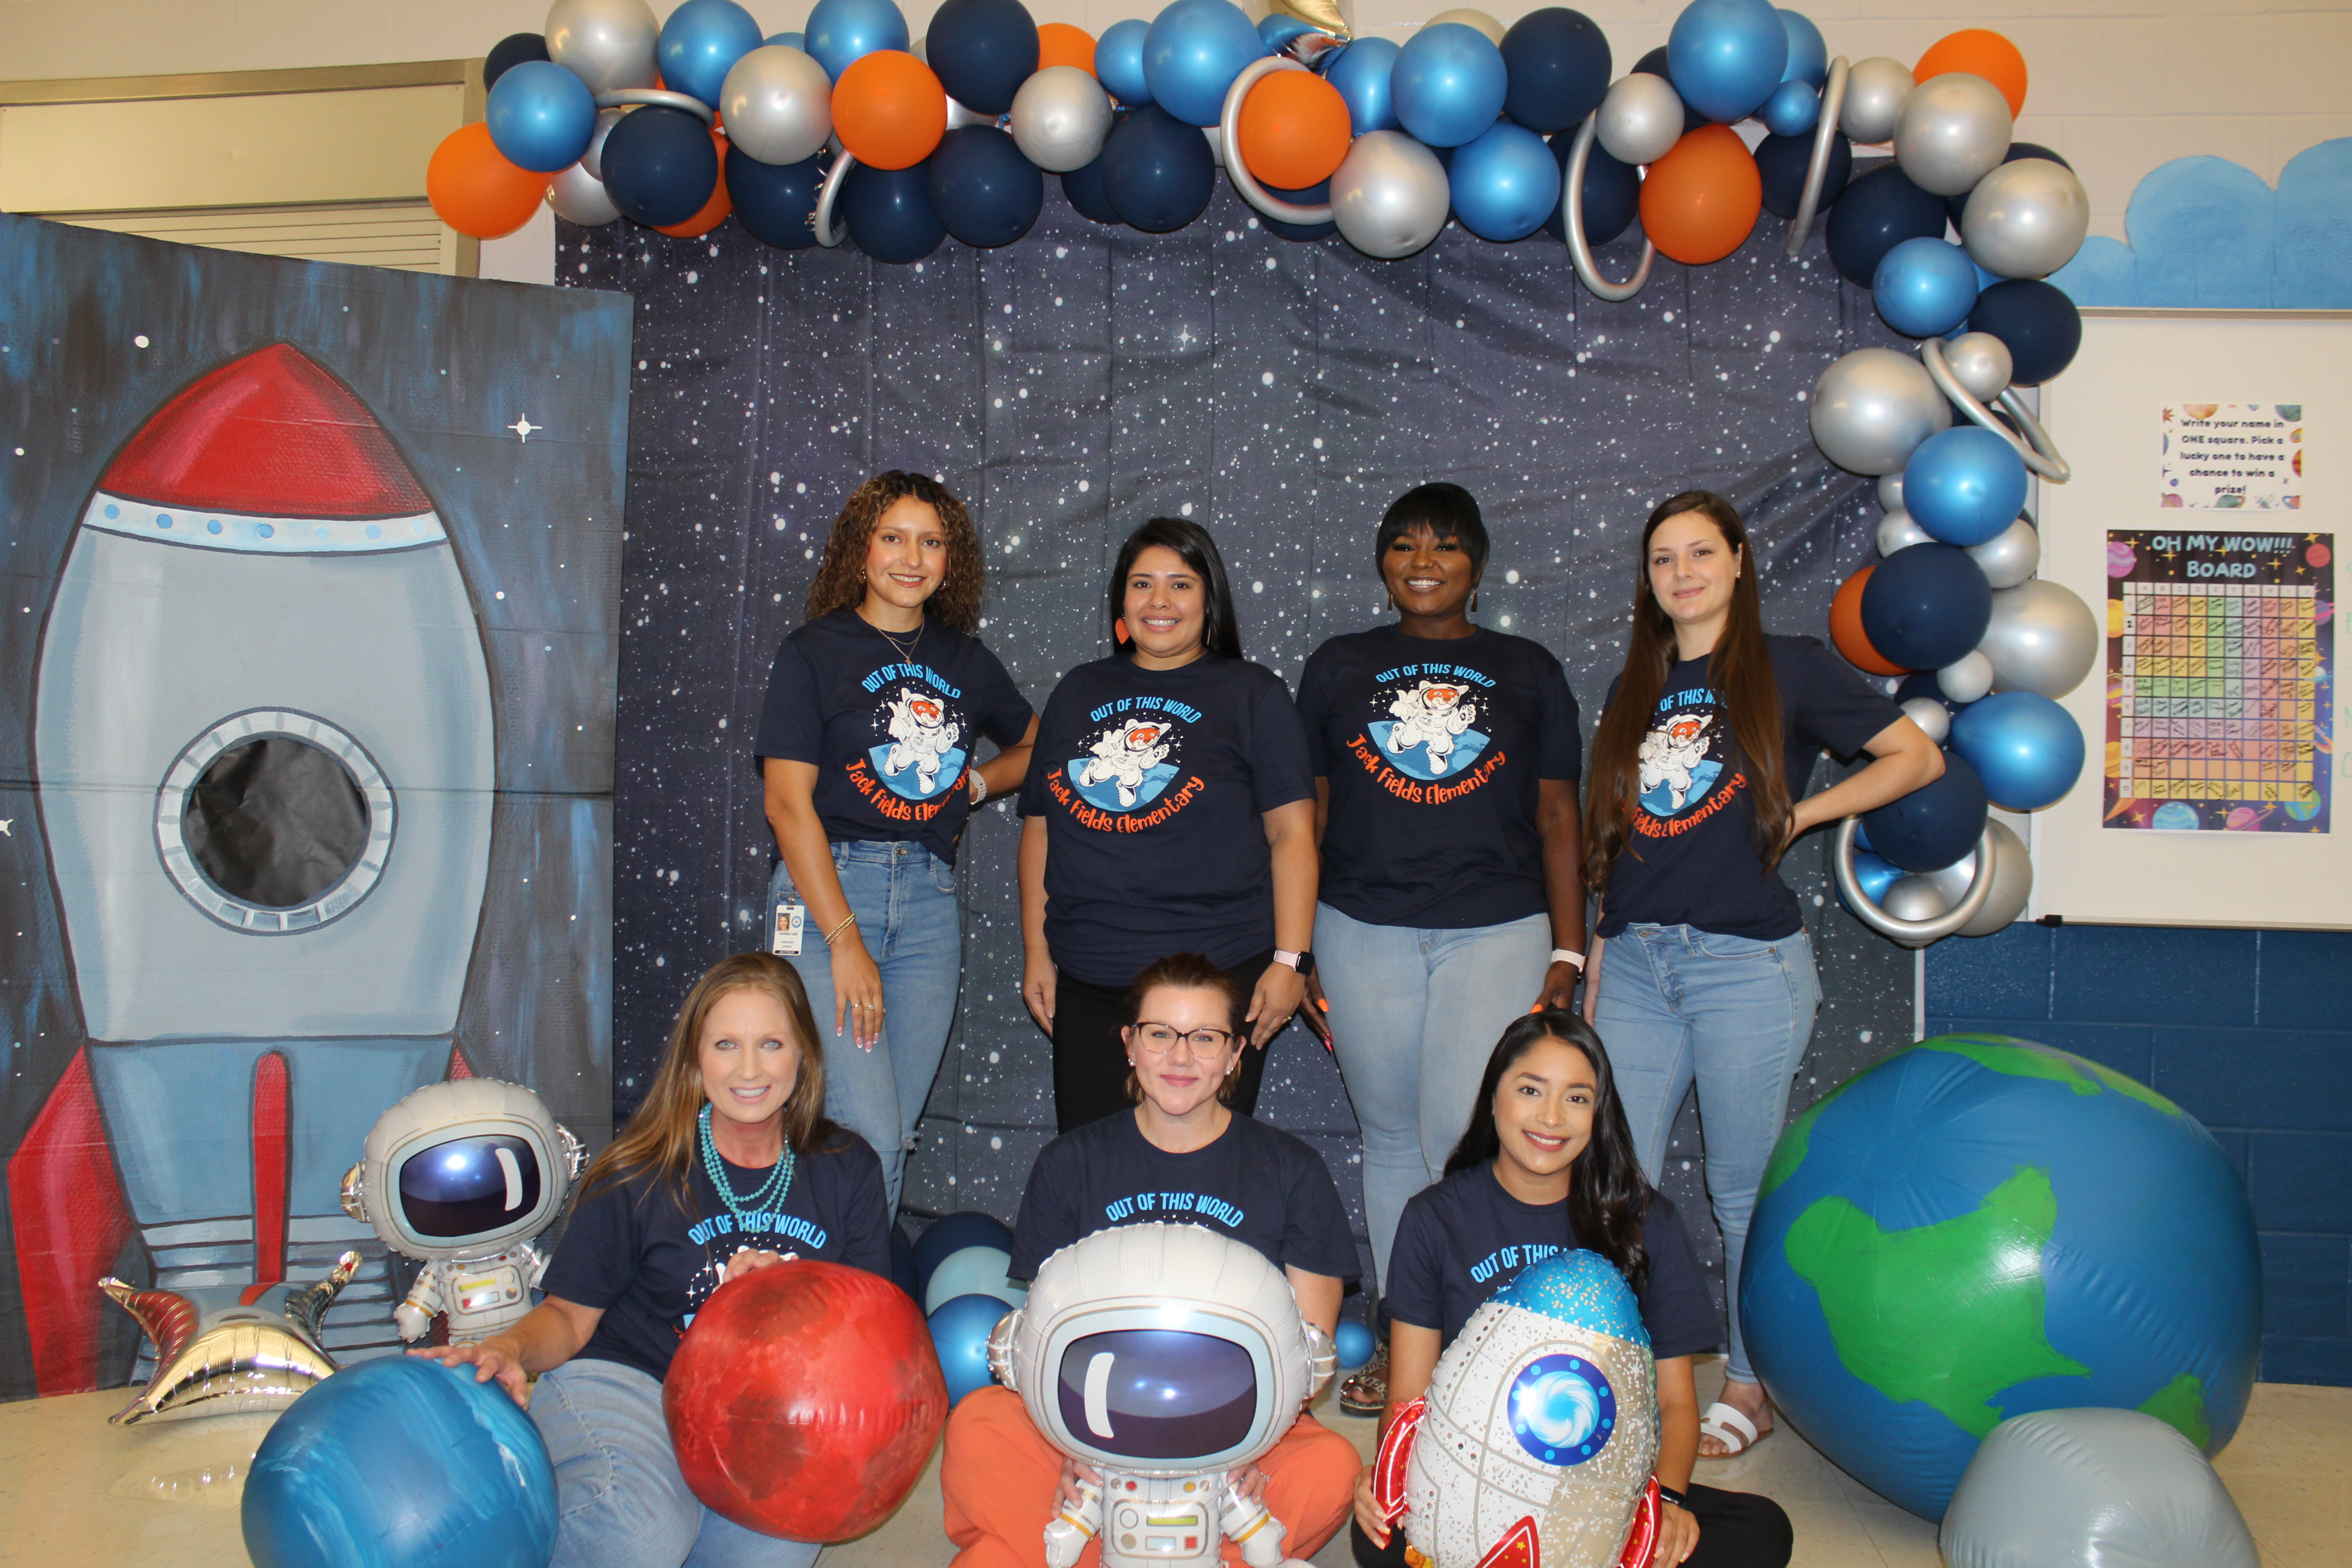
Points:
x=2180 y=1405
x=1948 y=1314
x=2023 y=1058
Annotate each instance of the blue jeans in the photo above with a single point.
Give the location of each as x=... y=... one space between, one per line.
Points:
x=620 y=1500
x=1414 y=1015
x=1677 y=1003
x=904 y=898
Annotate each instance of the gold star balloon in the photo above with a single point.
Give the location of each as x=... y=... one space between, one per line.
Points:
x=224 y=1348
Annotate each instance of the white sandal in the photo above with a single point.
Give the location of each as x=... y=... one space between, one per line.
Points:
x=1729 y=1425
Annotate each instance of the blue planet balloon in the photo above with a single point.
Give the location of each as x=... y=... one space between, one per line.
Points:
x=842 y=31
x=1362 y=74
x=982 y=50
x=1726 y=55
x=1612 y=192
x=1118 y=62
x=1083 y=189
x=1783 y=162
x=1925 y=606
x=1880 y=209
x=1793 y=110
x=700 y=43
x=659 y=165
x=1448 y=85
x=510 y=52
x=776 y=202
x=2036 y=322
x=1505 y=183
x=1934 y=825
x=1809 y=52
x=983 y=189
x=1875 y=873
x=2027 y=750
x=1964 y=485
x=974 y=1271
x=1355 y=1344
x=1314 y=195
x=1192 y=54
x=1157 y=169
x=889 y=213
x=541 y=117
x=791 y=40
x=1922 y=288
x=1558 y=63
x=953 y=1233
x=959 y=1331
x=401 y=1463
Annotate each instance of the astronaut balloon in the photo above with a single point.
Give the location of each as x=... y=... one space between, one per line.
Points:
x=1163 y=1355
x=462 y=1175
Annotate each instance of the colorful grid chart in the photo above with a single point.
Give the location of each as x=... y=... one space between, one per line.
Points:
x=2219 y=664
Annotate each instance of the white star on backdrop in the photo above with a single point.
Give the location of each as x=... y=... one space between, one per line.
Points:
x=523 y=427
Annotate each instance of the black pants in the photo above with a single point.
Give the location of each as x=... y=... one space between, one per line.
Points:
x=1736 y=1529
x=1090 y=1062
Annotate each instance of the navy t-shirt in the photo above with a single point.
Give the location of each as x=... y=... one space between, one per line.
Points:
x=1465 y=1238
x=1255 y=1184
x=1691 y=855
x=1153 y=784
x=1433 y=750
x=889 y=737
x=649 y=1266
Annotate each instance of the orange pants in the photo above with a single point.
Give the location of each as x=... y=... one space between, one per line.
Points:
x=998 y=1477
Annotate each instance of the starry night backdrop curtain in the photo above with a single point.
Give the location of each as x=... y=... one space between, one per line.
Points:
x=1073 y=384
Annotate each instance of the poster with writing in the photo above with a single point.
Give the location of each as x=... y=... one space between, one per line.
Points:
x=2220 y=683
x=2233 y=457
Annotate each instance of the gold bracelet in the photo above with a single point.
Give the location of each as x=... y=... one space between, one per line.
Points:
x=846 y=921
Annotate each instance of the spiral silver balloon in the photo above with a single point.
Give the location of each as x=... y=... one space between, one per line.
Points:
x=658 y=98
x=2029 y=439
x=778 y=105
x=1640 y=119
x=1817 y=167
x=1873 y=407
x=1875 y=91
x=1571 y=210
x=960 y=115
x=1389 y=197
x=1931 y=716
x=1909 y=932
x=1214 y=135
x=1061 y=118
x=578 y=196
x=829 y=232
x=1898 y=529
x=608 y=44
x=592 y=160
x=2010 y=556
x=2042 y=638
x=2026 y=219
x=2013 y=879
x=1890 y=491
x=1952 y=131
x=1980 y=363
x=1226 y=132
x=1966 y=679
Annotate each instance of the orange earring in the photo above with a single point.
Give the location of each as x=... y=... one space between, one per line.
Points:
x=1119 y=631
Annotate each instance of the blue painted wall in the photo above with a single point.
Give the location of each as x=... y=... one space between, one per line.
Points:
x=2251 y=1032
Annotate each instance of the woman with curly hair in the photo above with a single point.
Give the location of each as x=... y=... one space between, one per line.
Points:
x=874 y=708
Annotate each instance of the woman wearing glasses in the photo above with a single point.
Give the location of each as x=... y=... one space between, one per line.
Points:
x=1001 y=1480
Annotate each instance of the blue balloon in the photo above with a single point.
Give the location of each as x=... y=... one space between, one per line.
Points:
x=1875 y=873
x=791 y=40
x=959 y=1331
x=1192 y=53
x=1558 y=64
x=1880 y=209
x=659 y=165
x=974 y=1271
x=1362 y=73
x=1157 y=169
x=1809 y=52
x=841 y=31
x=1934 y=825
x=2036 y=322
x=984 y=190
x=1783 y=162
x=1083 y=189
x=401 y=1463
x=1964 y=484
x=1316 y=195
x=541 y=117
x=2027 y=748
x=1354 y=1343
x=510 y=52
x=1793 y=110
x=701 y=43
x=890 y=217
x=1275 y=29
x=982 y=50
x=1927 y=606
x=776 y=202
x=1612 y=192
x=1448 y=85
x=1505 y=183
x=954 y=1233
x=1726 y=55
x=1924 y=288
x=1118 y=62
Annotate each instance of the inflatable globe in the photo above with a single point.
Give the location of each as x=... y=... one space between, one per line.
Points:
x=1978 y=1227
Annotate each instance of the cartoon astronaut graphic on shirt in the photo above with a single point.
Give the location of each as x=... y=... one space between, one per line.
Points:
x=1430 y=714
x=1678 y=762
x=922 y=736
x=1126 y=756
x=1428 y=733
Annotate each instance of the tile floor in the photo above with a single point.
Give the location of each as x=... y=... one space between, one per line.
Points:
x=75 y=1489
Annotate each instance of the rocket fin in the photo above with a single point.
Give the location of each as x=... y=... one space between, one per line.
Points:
x=1519 y=1548
x=67 y=1207
x=1643 y=1537
x=1396 y=1451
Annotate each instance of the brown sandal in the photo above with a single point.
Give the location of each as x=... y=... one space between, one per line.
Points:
x=1365 y=1390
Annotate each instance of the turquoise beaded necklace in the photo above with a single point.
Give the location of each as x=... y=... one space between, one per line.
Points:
x=771 y=1193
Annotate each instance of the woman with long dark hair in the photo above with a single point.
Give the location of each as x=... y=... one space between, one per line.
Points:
x=1700 y=966
x=869 y=738
x=1172 y=810
x=1547 y=1164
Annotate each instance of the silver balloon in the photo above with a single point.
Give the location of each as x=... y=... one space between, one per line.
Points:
x=1936 y=719
x=1472 y=18
x=2010 y=556
x=1898 y=529
x=1875 y=91
x=1215 y=137
x=1914 y=898
x=578 y=196
x=921 y=48
x=1968 y=679
x=2012 y=881
x=778 y=105
x=592 y=160
x=608 y=44
x=2026 y=219
x=960 y=115
x=1952 y=131
x=1389 y=197
x=1060 y=119
x=1641 y=119
x=1890 y=491
x=1979 y=362
x=1873 y=407
x=2042 y=638
x=2080 y=1488
x=217 y=1353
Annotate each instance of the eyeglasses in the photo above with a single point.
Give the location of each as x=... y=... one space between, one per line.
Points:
x=1159 y=1037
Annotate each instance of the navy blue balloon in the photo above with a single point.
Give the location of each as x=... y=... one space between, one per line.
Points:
x=1118 y=62
x=1361 y=74
x=1313 y=196
x=401 y=1462
x=1505 y=183
x=509 y=52
x=1881 y=208
x=982 y=51
x=1612 y=192
x=1725 y=56
x=2027 y=748
x=1193 y=52
x=1964 y=485
x=1923 y=287
x=776 y=202
x=700 y=43
x=1809 y=52
x=1558 y=64
x=983 y=189
x=1927 y=606
x=959 y=1331
x=1958 y=204
x=659 y=165
x=902 y=1261
x=1448 y=85
x=1156 y=170
x=890 y=217
x=841 y=32
x=945 y=1237
x=1784 y=161
x=541 y=117
x=1923 y=684
x=1934 y=825
x=1083 y=189
x=2036 y=322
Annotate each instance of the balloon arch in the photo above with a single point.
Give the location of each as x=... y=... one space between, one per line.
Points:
x=848 y=131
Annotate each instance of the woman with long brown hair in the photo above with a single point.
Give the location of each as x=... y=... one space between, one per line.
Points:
x=730 y=1165
x=868 y=740
x=1700 y=966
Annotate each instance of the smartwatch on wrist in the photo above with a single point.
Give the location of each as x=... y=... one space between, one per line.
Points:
x=1302 y=961
x=1668 y=1494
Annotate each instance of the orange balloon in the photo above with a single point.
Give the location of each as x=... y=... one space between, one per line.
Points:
x=714 y=210
x=1846 y=629
x=889 y=110
x=1293 y=129
x=1059 y=44
x=1699 y=202
x=476 y=190
x=1980 y=52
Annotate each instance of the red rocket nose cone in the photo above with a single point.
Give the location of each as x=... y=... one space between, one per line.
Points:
x=270 y=435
